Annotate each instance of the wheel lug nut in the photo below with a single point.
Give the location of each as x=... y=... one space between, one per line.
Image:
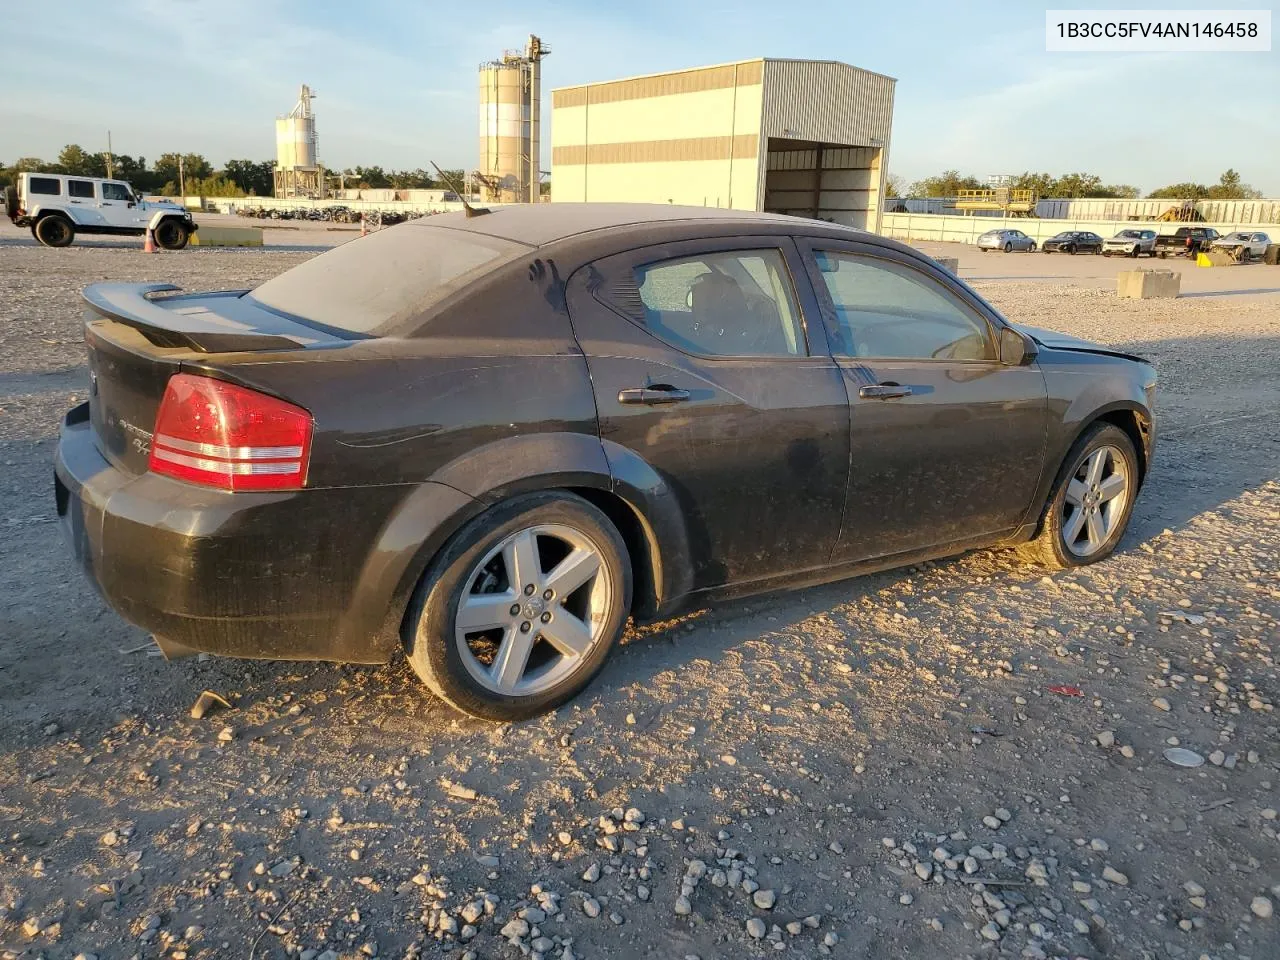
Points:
x=528 y=590
x=548 y=594
x=546 y=618
x=526 y=627
x=515 y=609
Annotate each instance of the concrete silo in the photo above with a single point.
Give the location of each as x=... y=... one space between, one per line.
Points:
x=510 y=124
x=298 y=173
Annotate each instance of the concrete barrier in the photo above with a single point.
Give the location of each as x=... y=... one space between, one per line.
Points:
x=208 y=236
x=1148 y=284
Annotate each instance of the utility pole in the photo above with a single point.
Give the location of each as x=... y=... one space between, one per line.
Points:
x=182 y=180
x=111 y=166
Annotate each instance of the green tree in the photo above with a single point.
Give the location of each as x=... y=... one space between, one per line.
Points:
x=194 y=167
x=946 y=184
x=367 y=178
x=256 y=179
x=1042 y=184
x=1074 y=185
x=78 y=162
x=1180 y=191
x=214 y=186
x=1231 y=187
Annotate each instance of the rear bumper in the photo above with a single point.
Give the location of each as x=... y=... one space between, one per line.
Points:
x=291 y=576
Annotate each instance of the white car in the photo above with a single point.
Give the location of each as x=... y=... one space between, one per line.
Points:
x=1243 y=245
x=56 y=207
x=1131 y=243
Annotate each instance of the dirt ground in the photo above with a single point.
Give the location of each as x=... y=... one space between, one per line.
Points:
x=876 y=768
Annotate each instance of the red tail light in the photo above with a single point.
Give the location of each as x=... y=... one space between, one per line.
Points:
x=220 y=435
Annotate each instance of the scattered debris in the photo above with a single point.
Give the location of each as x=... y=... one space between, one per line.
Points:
x=206 y=702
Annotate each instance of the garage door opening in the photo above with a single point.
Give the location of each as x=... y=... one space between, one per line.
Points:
x=823 y=181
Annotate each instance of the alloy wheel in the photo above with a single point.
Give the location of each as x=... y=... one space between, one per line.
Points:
x=533 y=609
x=1096 y=499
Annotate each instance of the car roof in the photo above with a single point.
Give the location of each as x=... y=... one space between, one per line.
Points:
x=538 y=224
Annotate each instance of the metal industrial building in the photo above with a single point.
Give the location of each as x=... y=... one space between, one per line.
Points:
x=806 y=137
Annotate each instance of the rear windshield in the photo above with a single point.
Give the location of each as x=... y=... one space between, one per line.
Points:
x=372 y=284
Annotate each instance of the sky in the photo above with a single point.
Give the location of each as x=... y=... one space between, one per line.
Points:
x=396 y=82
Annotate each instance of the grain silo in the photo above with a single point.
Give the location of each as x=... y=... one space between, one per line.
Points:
x=510 y=124
x=298 y=173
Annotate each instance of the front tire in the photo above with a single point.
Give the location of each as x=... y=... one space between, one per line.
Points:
x=1071 y=250
x=522 y=607
x=172 y=234
x=54 y=231
x=1008 y=247
x=1091 y=501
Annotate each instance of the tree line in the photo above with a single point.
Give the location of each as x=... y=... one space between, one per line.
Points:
x=1075 y=186
x=236 y=178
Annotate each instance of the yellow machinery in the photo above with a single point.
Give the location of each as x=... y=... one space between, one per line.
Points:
x=1012 y=203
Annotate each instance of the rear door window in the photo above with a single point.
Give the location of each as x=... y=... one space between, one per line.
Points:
x=737 y=303
x=46 y=186
x=81 y=189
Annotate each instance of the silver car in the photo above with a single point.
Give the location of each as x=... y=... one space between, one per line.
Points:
x=1243 y=245
x=1006 y=240
x=1131 y=243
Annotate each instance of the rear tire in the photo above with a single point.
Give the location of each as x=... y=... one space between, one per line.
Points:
x=54 y=230
x=1032 y=248
x=532 y=532
x=10 y=202
x=172 y=234
x=1051 y=547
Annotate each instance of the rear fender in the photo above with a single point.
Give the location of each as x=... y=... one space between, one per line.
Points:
x=67 y=212
x=464 y=488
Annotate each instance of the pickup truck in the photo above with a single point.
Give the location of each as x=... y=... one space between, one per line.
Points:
x=1185 y=241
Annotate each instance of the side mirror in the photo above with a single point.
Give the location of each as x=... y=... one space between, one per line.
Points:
x=1016 y=349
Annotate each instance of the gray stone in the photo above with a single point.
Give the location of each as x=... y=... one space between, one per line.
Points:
x=764 y=899
x=756 y=928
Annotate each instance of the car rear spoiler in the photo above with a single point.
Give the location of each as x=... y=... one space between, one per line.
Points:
x=222 y=322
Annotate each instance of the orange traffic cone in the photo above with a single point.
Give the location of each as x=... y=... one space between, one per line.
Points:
x=149 y=245
x=364 y=227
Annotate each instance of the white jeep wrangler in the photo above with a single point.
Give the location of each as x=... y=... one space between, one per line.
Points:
x=56 y=207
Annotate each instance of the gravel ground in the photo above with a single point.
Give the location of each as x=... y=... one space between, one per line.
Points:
x=894 y=766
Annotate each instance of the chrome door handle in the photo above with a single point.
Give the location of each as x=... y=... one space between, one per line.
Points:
x=653 y=395
x=883 y=391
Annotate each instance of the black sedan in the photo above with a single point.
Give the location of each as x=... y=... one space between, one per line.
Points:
x=489 y=440
x=1073 y=242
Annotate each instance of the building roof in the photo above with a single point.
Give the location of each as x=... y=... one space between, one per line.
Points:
x=536 y=224
x=716 y=66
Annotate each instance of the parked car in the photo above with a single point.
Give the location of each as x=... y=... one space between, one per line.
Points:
x=1186 y=241
x=1131 y=243
x=56 y=207
x=562 y=416
x=1243 y=244
x=1073 y=242
x=1006 y=240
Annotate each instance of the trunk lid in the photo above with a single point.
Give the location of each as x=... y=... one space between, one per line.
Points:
x=135 y=344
